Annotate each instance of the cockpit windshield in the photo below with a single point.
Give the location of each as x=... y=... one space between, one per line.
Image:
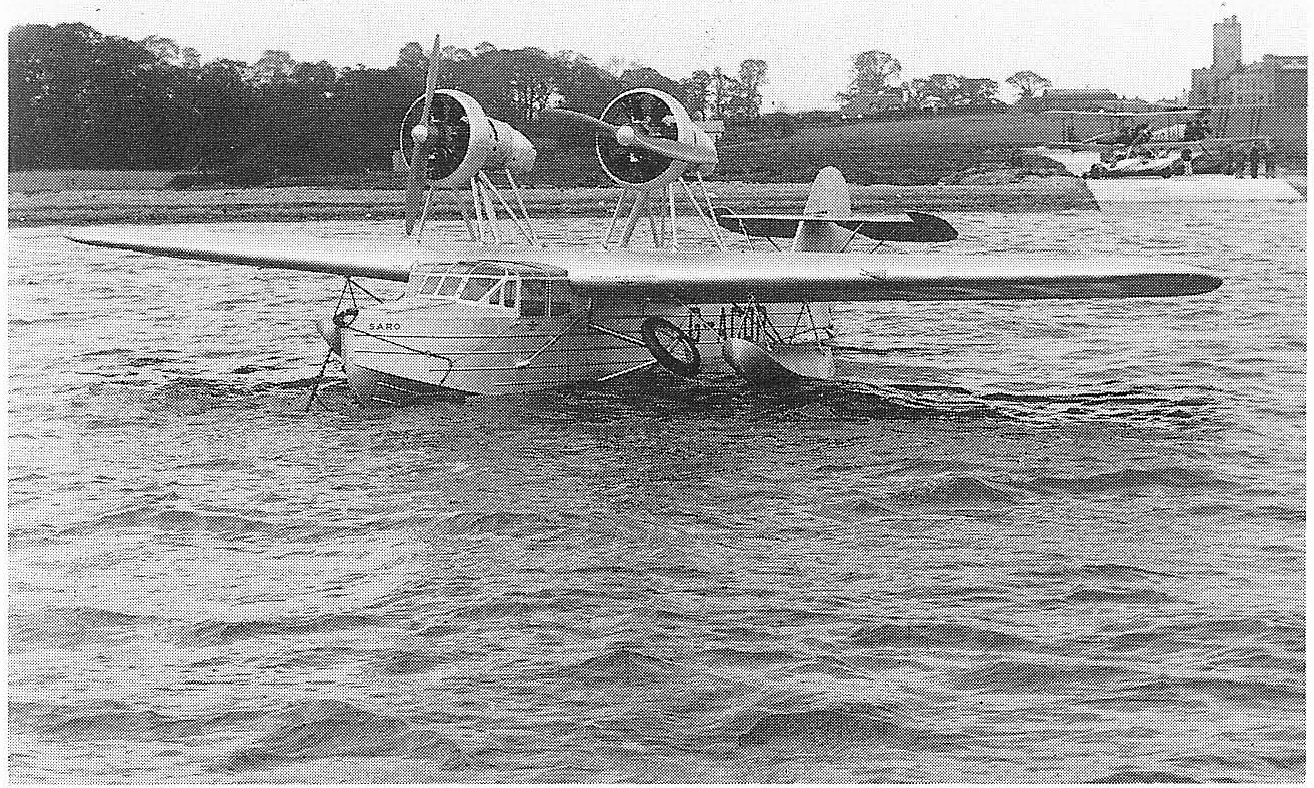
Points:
x=485 y=282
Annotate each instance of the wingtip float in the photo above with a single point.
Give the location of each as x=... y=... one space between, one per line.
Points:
x=502 y=313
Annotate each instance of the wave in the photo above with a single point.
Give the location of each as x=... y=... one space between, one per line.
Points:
x=120 y=722
x=227 y=632
x=734 y=657
x=1133 y=777
x=324 y=728
x=1023 y=677
x=1131 y=596
x=622 y=666
x=835 y=725
x=940 y=634
x=1122 y=572
x=157 y=518
x=403 y=663
x=72 y=627
x=1132 y=478
x=959 y=492
x=1259 y=694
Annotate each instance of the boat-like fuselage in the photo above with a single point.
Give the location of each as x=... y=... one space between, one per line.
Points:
x=482 y=328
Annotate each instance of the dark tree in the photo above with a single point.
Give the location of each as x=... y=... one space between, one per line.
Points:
x=752 y=75
x=874 y=72
x=1028 y=83
x=955 y=91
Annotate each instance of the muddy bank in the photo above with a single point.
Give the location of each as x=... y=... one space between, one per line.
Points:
x=304 y=203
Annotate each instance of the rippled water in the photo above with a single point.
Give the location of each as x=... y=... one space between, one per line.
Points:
x=1044 y=542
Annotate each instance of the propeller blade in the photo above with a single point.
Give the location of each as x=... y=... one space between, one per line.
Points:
x=420 y=155
x=580 y=117
x=673 y=149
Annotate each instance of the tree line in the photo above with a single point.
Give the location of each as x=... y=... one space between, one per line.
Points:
x=81 y=99
x=876 y=73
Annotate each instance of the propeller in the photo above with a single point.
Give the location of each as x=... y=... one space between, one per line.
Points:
x=627 y=136
x=423 y=137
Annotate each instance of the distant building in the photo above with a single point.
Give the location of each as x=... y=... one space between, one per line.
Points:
x=866 y=106
x=1079 y=99
x=1268 y=98
x=1281 y=80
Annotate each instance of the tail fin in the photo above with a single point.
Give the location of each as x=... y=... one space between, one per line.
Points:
x=829 y=195
x=829 y=200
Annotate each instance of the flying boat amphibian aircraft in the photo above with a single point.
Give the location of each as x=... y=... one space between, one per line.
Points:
x=502 y=313
x=1122 y=153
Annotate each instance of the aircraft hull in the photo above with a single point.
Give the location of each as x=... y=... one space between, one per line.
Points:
x=416 y=347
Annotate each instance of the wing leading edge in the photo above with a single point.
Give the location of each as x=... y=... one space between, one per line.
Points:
x=818 y=277
x=704 y=278
x=320 y=256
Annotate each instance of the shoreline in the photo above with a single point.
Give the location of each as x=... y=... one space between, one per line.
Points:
x=297 y=203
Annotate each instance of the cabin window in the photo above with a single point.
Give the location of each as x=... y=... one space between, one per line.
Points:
x=509 y=293
x=495 y=295
x=533 y=297
x=560 y=298
x=450 y=285
x=476 y=287
x=430 y=284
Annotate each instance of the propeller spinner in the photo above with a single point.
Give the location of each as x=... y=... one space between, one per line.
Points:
x=647 y=139
x=449 y=140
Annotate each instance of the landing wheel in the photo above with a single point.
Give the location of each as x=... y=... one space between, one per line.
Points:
x=671 y=346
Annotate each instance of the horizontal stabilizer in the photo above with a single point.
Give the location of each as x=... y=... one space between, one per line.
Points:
x=910 y=227
x=299 y=254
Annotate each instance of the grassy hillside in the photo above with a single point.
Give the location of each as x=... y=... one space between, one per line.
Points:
x=906 y=151
x=65 y=180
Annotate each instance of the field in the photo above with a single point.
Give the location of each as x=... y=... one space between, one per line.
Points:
x=31 y=181
x=906 y=151
x=909 y=151
x=153 y=206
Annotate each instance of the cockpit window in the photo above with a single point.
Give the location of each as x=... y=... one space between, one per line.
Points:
x=430 y=284
x=476 y=287
x=560 y=298
x=509 y=293
x=450 y=285
x=533 y=297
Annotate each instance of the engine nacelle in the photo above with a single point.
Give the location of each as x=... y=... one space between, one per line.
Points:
x=654 y=114
x=467 y=141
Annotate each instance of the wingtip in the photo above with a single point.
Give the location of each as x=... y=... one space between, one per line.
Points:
x=1207 y=283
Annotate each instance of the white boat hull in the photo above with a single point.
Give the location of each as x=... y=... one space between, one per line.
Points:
x=411 y=347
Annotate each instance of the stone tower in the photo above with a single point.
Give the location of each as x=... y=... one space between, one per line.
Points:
x=1227 y=47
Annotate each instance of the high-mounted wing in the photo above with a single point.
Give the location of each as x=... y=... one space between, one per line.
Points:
x=1098 y=147
x=367 y=258
x=816 y=277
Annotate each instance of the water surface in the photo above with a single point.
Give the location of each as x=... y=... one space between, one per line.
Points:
x=1042 y=542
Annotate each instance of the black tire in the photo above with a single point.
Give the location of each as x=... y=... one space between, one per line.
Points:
x=661 y=336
